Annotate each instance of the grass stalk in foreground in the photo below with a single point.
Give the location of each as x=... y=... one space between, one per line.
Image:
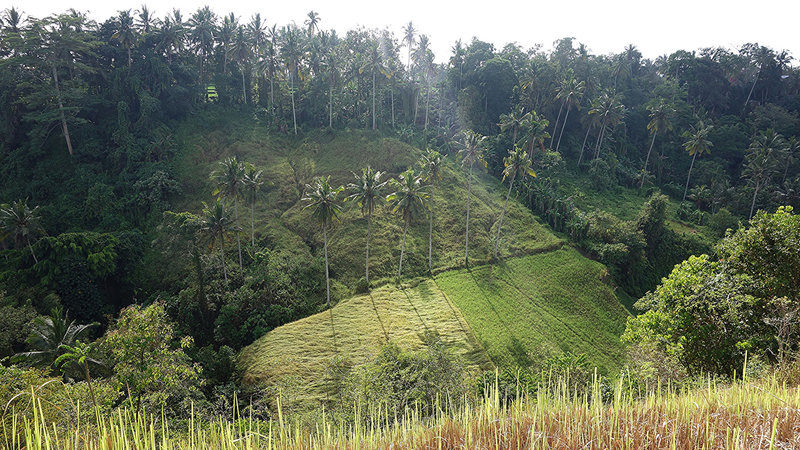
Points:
x=762 y=414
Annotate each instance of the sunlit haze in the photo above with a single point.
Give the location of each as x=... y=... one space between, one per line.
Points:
x=605 y=27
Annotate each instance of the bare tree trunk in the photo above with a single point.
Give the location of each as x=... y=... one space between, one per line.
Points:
x=30 y=247
x=89 y=382
x=253 y=223
x=238 y=237
x=64 y=127
x=753 y=205
x=402 y=251
x=430 y=235
x=644 y=170
x=583 y=146
x=561 y=134
x=469 y=193
x=369 y=234
x=244 y=90
x=555 y=125
x=686 y=189
x=500 y=224
x=294 y=114
x=327 y=274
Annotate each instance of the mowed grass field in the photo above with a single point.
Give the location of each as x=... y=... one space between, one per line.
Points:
x=536 y=306
x=296 y=357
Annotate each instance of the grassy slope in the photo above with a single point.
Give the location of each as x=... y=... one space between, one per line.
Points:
x=299 y=353
x=539 y=305
x=282 y=221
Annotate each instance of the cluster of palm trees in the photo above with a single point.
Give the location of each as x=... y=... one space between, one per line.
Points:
x=20 y=224
x=410 y=195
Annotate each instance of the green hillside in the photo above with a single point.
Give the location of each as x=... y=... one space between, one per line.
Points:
x=540 y=305
x=297 y=355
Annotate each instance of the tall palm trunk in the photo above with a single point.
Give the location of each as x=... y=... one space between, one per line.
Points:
x=646 y=160
x=271 y=91
x=222 y=256
x=89 y=382
x=253 y=222
x=600 y=138
x=500 y=224
x=583 y=146
x=469 y=193
x=30 y=247
x=330 y=106
x=294 y=114
x=555 y=125
x=64 y=127
x=238 y=238
x=561 y=134
x=752 y=88
x=402 y=251
x=392 y=93
x=686 y=189
x=374 y=121
x=427 y=103
x=430 y=236
x=753 y=205
x=369 y=234
x=244 y=90
x=327 y=274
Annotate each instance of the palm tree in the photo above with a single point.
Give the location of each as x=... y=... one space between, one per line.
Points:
x=240 y=51
x=791 y=152
x=312 y=23
x=697 y=144
x=48 y=337
x=125 y=32
x=374 y=64
x=760 y=163
x=230 y=179
x=79 y=355
x=330 y=60
x=292 y=52
x=516 y=163
x=514 y=121
x=215 y=222
x=21 y=222
x=471 y=152
x=324 y=198
x=571 y=92
x=432 y=162
x=252 y=183
x=535 y=131
x=226 y=34
x=410 y=38
x=146 y=20
x=409 y=200
x=203 y=27
x=423 y=60
x=659 y=121
x=610 y=108
x=367 y=188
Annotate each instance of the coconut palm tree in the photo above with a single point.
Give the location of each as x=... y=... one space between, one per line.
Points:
x=202 y=29
x=610 y=108
x=214 y=223
x=79 y=355
x=125 y=32
x=535 y=131
x=324 y=199
x=252 y=183
x=409 y=38
x=571 y=92
x=366 y=191
x=659 y=121
x=513 y=121
x=240 y=52
x=21 y=222
x=292 y=52
x=225 y=36
x=431 y=163
x=516 y=163
x=409 y=200
x=48 y=337
x=373 y=64
x=230 y=184
x=697 y=143
x=760 y=161
x=791 y=153
x=471 y=152
x=312 y=23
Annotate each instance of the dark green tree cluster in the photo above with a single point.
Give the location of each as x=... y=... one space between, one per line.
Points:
x=712 y=310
